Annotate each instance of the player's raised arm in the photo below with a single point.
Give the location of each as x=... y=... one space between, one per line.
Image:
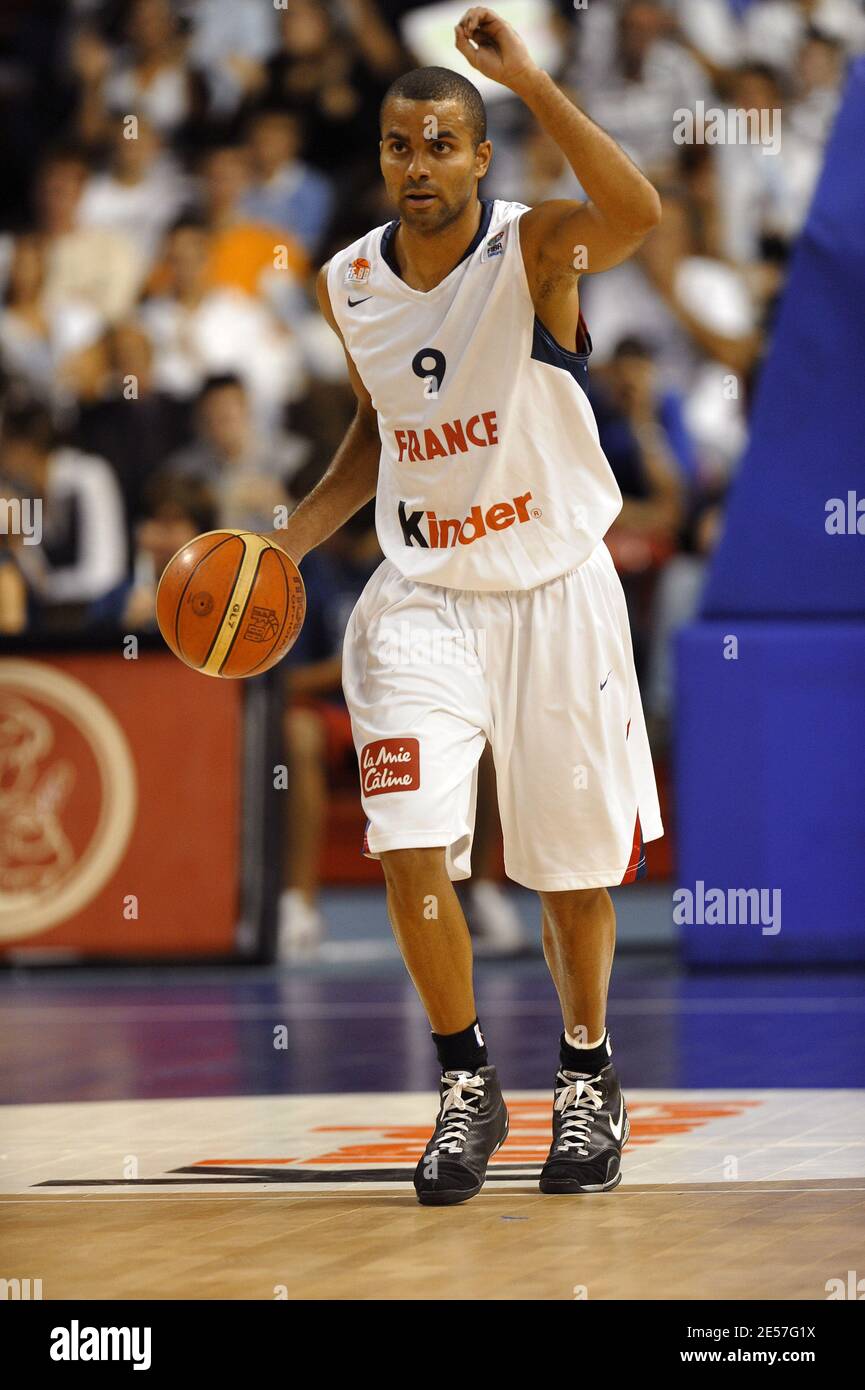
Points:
x=624 y=206
x=352 y=477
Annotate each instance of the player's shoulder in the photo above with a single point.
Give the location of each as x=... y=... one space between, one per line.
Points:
x=362 y=248
x=506 y=209
x=499 y=230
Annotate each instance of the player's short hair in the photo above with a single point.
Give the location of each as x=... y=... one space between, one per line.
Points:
x=441 y=84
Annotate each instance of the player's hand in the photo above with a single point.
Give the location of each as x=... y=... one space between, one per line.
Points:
x=500 y=53
x=287 y=540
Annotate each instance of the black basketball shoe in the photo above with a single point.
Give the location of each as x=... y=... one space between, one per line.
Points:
x=590 y=1129
x=471 y=1125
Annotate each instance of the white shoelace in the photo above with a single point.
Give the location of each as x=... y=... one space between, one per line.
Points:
x=584 y=1100
x=464 y=1091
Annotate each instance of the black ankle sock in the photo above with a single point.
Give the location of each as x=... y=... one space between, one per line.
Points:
x=584 y=1059
x=461 y=1051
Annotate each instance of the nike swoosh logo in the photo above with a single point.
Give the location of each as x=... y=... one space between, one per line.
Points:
x=617 y=1129
x=352 y=303
x=604 y=682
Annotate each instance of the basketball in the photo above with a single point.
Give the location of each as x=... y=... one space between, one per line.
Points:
x=230 y=604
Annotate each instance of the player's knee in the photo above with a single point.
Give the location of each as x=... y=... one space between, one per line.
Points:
x=410 y=869
x=562 y=909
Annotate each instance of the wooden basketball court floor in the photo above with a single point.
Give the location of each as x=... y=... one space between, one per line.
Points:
x=727 y=1195
x=252 y=1133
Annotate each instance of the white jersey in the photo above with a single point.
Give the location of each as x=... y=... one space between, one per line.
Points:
x=491 y=474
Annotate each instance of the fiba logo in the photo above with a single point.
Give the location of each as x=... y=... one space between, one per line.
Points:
x=67 y=797
x=262 y=626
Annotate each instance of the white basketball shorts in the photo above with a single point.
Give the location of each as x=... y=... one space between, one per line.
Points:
x=547 y=676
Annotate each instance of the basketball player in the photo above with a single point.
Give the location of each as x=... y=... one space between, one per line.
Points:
x=496 y=614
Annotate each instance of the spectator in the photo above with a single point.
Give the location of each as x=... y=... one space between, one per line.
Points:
x=648 y=77
x=286 y=192
x=126 y=419
x=755 y=181
x=321 y=74
x=700 y=317
x=149 y=75
x=545 y=173
x=675 y=603
x=820 y=70
x=263 y=261
x=174 y=511
x=41 y=342
x=229 y=45
x=82 y=556
x=628 y=409
x=142 y=191
x=820 y=67
x=774 y=29
x=197 y=331
x=13 y=589
x=247 y=471
x=723 y=35
x=94 y=265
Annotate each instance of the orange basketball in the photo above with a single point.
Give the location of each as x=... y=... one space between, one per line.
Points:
x=230 y=604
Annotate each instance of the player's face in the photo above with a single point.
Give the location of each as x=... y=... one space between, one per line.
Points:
x=428 y=160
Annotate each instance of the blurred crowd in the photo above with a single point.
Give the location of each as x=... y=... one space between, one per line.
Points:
x=174 y=173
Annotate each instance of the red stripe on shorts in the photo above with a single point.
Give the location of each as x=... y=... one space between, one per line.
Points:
x=636 y=854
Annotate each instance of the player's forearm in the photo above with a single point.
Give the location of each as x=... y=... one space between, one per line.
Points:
x=610 y=179
x=349 y=483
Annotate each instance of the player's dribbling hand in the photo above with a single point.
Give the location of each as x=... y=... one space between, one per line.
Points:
x=500 y=53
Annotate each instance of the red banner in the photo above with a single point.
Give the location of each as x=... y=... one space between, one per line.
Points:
x=120 y=805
